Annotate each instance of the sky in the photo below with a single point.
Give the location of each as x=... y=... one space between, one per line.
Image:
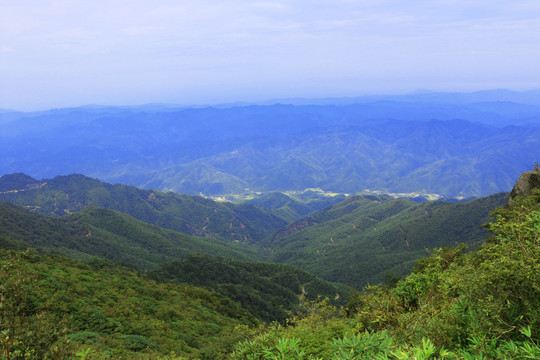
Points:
x=60 y=53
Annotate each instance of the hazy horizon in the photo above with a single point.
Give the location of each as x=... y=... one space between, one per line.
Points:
x=296 y=100
x=60 y=53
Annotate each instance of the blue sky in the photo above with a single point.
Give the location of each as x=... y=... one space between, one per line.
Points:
x=56 y=53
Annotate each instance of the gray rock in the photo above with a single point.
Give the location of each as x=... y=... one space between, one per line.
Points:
x=524 y=186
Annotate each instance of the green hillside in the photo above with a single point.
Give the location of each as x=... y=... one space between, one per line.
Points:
x=456 y=305
x=293 y=207
x=482 y=304
x=52 y=307
x=269 y=291
x=365 y=238
x=359 y=240
x=98 y=232
x=192 y=215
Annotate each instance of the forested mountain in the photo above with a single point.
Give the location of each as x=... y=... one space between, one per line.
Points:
x=365 y=238
x=358 y=240
x=104 y=233
x=455 y=305
x=192 y=215
x=483 y=304
x=293 y=207
x=54 y=307
x=456 y=148
x=269 y=291
x=266 y=290
x=107 y=310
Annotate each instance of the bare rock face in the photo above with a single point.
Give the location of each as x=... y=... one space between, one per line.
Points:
x=524 y=186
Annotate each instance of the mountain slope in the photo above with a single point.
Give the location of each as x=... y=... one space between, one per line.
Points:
x=54 y=307
x=184 y=213
x=354 y=241
x=293 y=207
x=269 y=291
x=98 y=232
x=482 y=304
x=266 y=290
x=366 y=237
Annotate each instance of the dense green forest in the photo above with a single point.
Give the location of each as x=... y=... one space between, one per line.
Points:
x=369 y=238
x=54 y=308
x=101 y=284
x=269 y=291
x=352 y=240
x=98 y=232
x=455 y=305
x=483 y=304
x=193 y=215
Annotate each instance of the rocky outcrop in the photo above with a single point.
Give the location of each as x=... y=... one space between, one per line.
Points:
x=524 y=186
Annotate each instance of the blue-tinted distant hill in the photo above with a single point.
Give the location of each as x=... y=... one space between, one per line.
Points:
x=531 y=97
x=450 y=144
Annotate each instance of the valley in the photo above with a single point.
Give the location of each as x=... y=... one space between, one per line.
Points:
x=352 y=240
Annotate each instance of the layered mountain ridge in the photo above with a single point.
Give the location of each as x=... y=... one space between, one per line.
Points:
x=399 y=147
x=359 y=239
x=193 y=215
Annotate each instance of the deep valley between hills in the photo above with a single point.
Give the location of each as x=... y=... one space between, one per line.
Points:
x=355 y=241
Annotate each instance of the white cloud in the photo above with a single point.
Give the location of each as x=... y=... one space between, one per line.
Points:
x=165 y=46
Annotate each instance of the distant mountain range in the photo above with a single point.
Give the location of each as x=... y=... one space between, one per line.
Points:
x=449 y=144
x=530 y=97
